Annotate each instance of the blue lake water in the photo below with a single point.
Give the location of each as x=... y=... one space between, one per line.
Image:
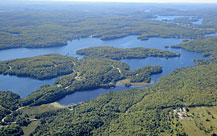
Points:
x=25 y=86
x=198 y=22
x=208 y=35
x=171 y=18
x=22 y=86
x=86 y=95
x=185 y=60
x=74 y=45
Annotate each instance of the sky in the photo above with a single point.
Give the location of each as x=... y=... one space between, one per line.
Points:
x=148 y=1
x=145 y=1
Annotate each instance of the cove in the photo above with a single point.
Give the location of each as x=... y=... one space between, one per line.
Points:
x=185 y=60
x=85 y=95
x=25 y=86
x=22 y=85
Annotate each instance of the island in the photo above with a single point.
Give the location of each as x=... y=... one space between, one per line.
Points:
x=91 y=73
x=181 y=103
x=39 y=67
x=129 y=53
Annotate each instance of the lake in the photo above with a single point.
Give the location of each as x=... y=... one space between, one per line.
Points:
x=25 y=86
x=22 y=85
x=198 y=22
x=74 y=45
x=209 y=35
x=86 y=95
x=171 y=18
x=185 y=60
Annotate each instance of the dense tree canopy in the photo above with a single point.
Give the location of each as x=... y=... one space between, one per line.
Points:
x=44 y=26
x=139 y=111
x=131 y=53
x=8 y=102
x=90 y=73
x=39 y=67
x=207 y=46
x=144 y=111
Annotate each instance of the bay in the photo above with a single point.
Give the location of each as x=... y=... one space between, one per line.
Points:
x=25 y=86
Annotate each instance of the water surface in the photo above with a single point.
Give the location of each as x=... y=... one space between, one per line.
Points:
x=208 y=35
x=74 y=45
x=22 y=86
x=25 y=86
x=169 y=18
x=85 y=95
x=168 y=65
x=185 y=60
x=198 y=22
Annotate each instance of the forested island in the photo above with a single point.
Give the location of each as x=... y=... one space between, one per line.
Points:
x=181 y=103
x=113 y=110
x=131 y=53
x=83 y=74
x=90 y=74
x=39 y=67
x=53 y=65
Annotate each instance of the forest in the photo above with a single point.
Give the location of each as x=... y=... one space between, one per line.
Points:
x=181 y=103
x=53 y=65
x=8 y=102
x=90 y=74
x=39 y=67
x=130 y=53
x=115 y=114
x=44 y=26
x=207 y=46
x=140 y=111
x=83 y=74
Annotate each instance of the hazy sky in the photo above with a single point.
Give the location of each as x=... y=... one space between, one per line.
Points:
x=158 y=1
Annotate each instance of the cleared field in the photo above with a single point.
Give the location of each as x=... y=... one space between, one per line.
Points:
x=32 y=111
x=201 y=121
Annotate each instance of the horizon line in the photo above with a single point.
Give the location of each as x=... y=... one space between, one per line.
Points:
x=106 y=1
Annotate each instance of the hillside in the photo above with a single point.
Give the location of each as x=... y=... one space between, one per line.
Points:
x=90 y=74
x=180 y=103
x=44 y=26
x=39 y=67
x=141 y=111
x=207 y=46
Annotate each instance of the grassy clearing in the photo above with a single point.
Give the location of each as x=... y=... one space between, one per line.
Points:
x=127 y=81
x=56 y=105
x=201 y=121
x=30 y=128
x=31 y=111
x=42 y=108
